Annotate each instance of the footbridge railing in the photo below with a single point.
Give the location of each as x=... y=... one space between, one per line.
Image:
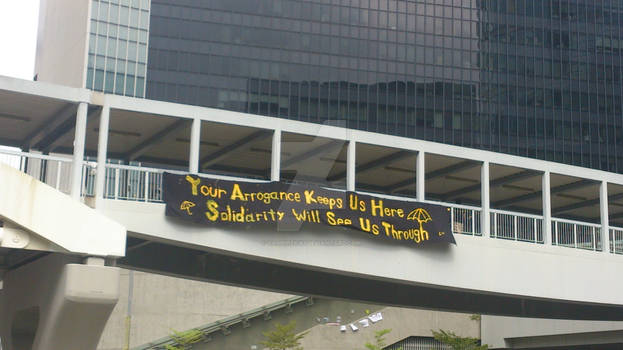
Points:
x=224 y=325
x=144 y=184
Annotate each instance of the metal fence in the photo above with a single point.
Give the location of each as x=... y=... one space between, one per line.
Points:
x=616 y=240
x=576 y=234
x=54 y=171
x=418 y=343
x=516 y=226
x=137 y=183
x=133 y=183
x=466 y=220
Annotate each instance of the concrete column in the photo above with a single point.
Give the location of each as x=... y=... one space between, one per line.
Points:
x=420 y=176
x=195 y=138
x=78 y=158
x=58 y=303
x=275 y=159
x=605 y=224
x=351 y=166
x=485 y=224
x=102 y=150
x=547 y=208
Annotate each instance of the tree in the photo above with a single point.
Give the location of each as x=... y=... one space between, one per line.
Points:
x=283 y=337
x=379 y=340
x=458 y=343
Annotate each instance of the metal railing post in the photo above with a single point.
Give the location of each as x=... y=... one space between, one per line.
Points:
x=58 y=175
x=146 y=189
x=116 y=194
x=452 y=219
x=473 y=222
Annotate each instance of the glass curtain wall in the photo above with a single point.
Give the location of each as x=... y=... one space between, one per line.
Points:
x=536 y=78
x=118 y=46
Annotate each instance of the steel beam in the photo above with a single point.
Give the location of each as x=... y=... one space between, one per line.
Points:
x=495 y=183
x=51 y=140
x=144 y=146
x=574 y=185
x=377 y=163
x=222 y=153
x=308 y=154
x=65 y=113
x=434 y=174
x=585 y=203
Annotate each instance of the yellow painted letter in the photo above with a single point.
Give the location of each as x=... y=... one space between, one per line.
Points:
x=212 y=213
x=193 y=183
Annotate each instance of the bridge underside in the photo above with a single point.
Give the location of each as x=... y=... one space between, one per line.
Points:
x=202 y=265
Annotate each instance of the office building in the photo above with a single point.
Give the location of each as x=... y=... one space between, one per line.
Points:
x=534 y=78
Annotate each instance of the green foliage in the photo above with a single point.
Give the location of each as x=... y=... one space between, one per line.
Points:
x=458 y=343
x=283 y=337
x=184 y=339
x=474 y=317
x=379 y=340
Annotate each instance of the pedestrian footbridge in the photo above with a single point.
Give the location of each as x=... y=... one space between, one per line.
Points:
x=533 y=238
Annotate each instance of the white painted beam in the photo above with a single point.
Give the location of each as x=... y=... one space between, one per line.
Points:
x=78 y=156
x=275 y=158
x=420 y=175
x=195 y=138
x=485 y=224
x=102 y=153
x=351 y=165
x=547 y=208
x=605 y=224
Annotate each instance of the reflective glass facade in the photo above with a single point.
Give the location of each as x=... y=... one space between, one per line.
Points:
x=536 y=78
x=118 y=46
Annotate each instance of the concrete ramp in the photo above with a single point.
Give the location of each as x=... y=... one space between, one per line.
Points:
x=56 y=301
x=37 y=216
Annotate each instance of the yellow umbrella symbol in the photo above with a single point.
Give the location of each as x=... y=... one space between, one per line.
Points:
x=186 y=205
x=420 y=215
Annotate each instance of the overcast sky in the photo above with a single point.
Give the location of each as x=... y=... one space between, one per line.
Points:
x=18 y=37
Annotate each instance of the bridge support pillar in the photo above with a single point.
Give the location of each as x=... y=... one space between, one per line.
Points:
x=78 y=157
x=195 y=140
x=485 y=224
x=57 y=303
x=605 y=219
x=275 y=158
x=102 y=153
x=547 y=208
x=351 y=163
x=420 y=176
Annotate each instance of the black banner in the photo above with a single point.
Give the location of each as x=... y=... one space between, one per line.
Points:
x=219 y=202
